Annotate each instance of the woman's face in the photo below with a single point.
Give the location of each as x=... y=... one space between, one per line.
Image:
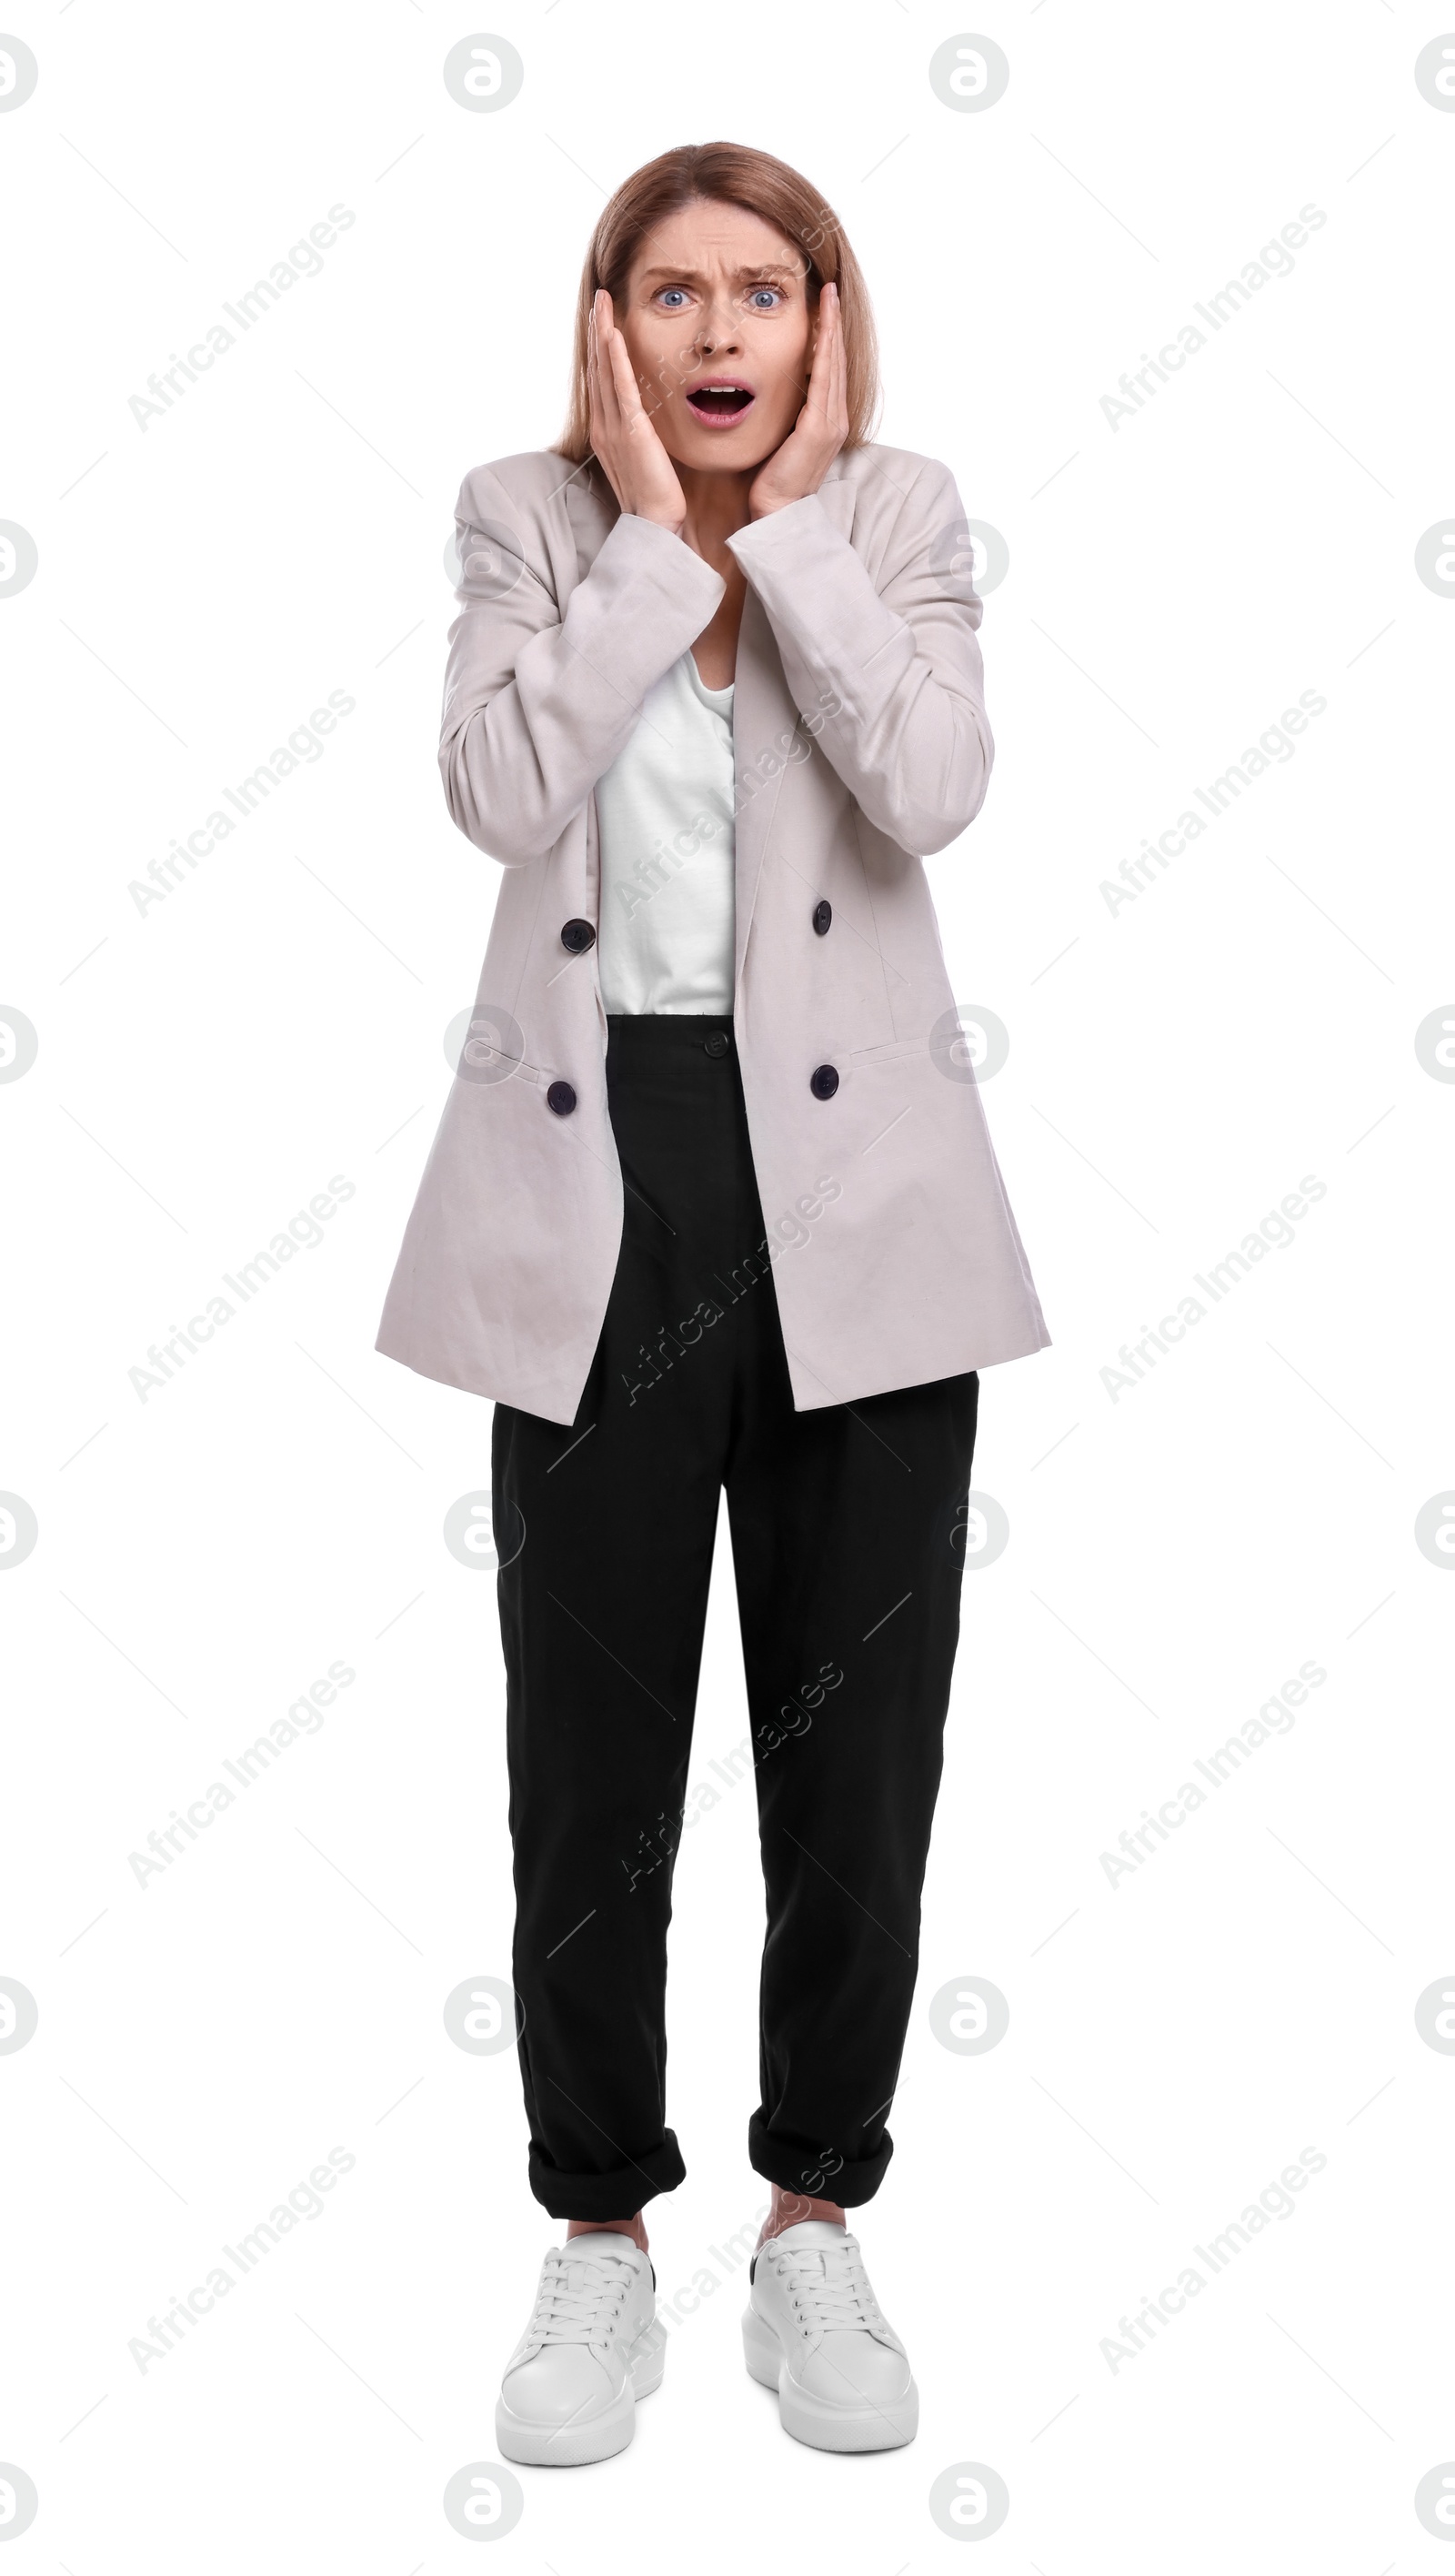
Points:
x=717 y=298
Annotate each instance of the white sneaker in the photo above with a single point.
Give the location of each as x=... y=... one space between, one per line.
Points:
x=592 y=2348
x=815 y=2331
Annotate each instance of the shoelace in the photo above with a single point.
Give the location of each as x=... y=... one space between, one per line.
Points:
x=584 y=2313
x=829 y=2286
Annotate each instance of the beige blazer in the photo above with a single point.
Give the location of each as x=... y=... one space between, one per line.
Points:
x=860 y=741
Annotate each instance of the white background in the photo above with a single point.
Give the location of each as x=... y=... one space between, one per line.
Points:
x=205 y=1067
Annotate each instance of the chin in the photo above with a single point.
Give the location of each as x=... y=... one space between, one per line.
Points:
x=714 y=451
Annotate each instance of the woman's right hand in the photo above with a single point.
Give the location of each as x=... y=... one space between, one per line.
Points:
x=636 y=464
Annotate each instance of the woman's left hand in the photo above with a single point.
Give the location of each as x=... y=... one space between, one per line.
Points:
x=798 y=467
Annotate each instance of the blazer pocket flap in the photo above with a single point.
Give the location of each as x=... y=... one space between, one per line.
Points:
x=894 y=1053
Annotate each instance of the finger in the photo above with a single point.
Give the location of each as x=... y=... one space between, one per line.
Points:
x=606 y=381
x=835 y=373
x=627 y=392
x=599 y=325
x=841 y=370
x=820 y=379
x=613 y=356
x=595 y=404
x=613 y=351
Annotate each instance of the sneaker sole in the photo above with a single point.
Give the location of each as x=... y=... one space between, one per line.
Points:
x=814 y=2420
x=595 y=2437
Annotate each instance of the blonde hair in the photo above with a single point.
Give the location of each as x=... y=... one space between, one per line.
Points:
x=730 y=174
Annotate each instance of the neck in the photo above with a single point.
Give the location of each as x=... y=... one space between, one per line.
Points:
x=717 y=506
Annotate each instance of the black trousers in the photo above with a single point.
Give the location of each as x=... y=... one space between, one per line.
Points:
x=847 y=1532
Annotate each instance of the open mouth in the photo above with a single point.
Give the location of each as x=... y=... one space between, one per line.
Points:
x=720 y=402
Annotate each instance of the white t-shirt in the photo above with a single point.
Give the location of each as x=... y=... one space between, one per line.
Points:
x=665 y=808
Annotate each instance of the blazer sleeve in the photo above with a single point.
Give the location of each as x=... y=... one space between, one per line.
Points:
x=895 y=663
x=537 y=705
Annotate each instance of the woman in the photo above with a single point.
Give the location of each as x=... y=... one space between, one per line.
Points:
x=712 y=1205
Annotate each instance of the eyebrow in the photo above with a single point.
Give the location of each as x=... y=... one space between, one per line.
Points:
x=694 y=276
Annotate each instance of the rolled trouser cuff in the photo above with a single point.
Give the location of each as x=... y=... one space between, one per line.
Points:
x=618 y=2194
x=798 y=2166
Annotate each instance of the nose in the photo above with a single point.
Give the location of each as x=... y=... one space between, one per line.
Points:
x=717 y=328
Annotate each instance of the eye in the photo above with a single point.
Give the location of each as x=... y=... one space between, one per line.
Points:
x=667 y=292
x=763 y=298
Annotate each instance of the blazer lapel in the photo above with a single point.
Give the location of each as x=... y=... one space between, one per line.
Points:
x=763 y=716
x=591 y=514
x=836 y=496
